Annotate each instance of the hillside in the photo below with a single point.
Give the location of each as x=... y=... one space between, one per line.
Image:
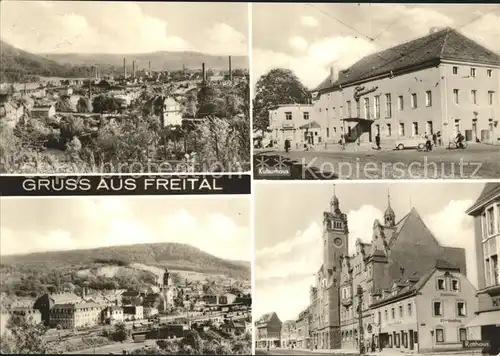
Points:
x=15 y=64
x=170 y=255
x=159 y=60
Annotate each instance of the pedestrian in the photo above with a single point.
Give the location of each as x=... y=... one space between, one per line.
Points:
x=428 y=144
x=434 y=139
x=287 y=145
x=377 y=141
x=440 y=142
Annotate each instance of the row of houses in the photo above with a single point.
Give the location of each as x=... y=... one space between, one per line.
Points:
x=443 y=82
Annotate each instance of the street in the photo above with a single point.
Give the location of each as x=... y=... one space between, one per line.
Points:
x=117 y=348
x=297 y=352
x=476 y=162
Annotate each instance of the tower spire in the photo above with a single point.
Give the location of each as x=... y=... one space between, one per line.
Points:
x=334 y=203
x=389 y=215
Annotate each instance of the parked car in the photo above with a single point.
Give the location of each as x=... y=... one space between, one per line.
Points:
x=410 y=142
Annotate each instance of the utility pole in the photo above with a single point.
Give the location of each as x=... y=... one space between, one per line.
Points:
x=360 y=318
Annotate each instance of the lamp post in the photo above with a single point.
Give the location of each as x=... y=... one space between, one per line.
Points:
x=359 y=292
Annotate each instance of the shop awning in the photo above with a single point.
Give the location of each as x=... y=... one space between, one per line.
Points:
x=486 y=318
x=357 y=119
x=311 y=125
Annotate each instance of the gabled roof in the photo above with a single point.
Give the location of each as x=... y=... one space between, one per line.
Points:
x=446 y=44
x=311 y=125
x=490 y=191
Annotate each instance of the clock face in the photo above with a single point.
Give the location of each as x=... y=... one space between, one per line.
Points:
x=338 y=242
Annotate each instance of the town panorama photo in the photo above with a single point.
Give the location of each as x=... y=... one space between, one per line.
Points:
x=124 y=87
x=376 y=91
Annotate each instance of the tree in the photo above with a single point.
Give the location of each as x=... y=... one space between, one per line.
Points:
x=103 y=103
x=64 y=104
x=24 y=337
x=71 y=126
x=84 y=105
x=193 y=340
x=121 y=332
x=278 y=86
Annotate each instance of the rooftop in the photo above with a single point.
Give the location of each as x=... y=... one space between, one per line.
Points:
x=446 y=44
x=489 y=192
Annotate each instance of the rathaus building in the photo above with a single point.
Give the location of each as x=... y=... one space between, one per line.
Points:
x=399 y=253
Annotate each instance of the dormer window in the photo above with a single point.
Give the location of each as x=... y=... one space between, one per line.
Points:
x=455 y=285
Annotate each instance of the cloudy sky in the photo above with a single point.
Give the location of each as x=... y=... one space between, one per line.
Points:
x=217 y=225
x=308 y=38
x=288 y=221
x=125 y=27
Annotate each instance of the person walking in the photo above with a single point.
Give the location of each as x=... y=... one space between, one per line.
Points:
x=377 y=141
x=287 y=145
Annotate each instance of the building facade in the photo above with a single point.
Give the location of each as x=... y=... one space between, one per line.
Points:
x=294 y=122
x=486 y=214
x=288 y=334
x=348 y=284
x=268 y=331
x=74 y=316
x=303 y=329
x=443 y=82
x=428 y=314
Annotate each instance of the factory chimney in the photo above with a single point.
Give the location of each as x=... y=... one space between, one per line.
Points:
x=90 y=91
x=133 y=69
x=230 y=70
x=204 y=78
x=124 y=68
x=149 y=67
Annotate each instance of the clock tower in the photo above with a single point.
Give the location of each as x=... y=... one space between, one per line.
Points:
x=335 y=243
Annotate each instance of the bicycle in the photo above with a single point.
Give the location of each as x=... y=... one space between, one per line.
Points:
x=455 y=145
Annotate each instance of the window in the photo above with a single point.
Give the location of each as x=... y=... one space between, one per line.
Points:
x=491 y=95
x=437 y=308
x=439 y=335
x=461 y=311
x=349 y=109
x=401 y=129
x=428 y=98
x=379 y=317
x=489 y=72
x=367 y=107
x=401 y=311
x=409 y=309
x=455 y=70
x=306 y=115
x=455 y=285
x=377 y=107
x=393 y=313
x=473 y=96
x=288 y=115
x=490 y=221
x=441 y=284
x=414 y=101
x=389 y=130
x=455 y=95
x=397 y=340
x=388 y=105
x=462 y=334
x=385 y=314
x=358 y=108
x=415 y=129
x=473 y=72
x=400 y=103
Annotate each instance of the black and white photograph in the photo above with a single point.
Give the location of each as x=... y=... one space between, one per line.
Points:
x=124 y=87
x=377 y=269
x=375 y=91
x=126 y=275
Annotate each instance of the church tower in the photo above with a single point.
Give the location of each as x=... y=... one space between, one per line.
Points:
x=389 y=215
x=335 y=245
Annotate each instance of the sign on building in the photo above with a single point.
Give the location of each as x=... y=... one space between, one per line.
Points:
x=476 y=344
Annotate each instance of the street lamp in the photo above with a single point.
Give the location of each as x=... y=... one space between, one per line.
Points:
x=359 y=292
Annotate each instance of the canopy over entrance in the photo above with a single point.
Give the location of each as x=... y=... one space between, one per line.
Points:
x=486 y=318
x=357 y=119
x=311 y=125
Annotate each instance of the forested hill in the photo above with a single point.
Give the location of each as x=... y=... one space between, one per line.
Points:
x=18 y=65
x=159 y=60
x=171 y=255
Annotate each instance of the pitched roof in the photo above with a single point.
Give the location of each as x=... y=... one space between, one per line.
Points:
x=490 y=191
x=446 y=44
x=311 y=125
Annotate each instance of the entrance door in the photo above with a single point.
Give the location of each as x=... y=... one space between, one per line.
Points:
x=412 y=344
